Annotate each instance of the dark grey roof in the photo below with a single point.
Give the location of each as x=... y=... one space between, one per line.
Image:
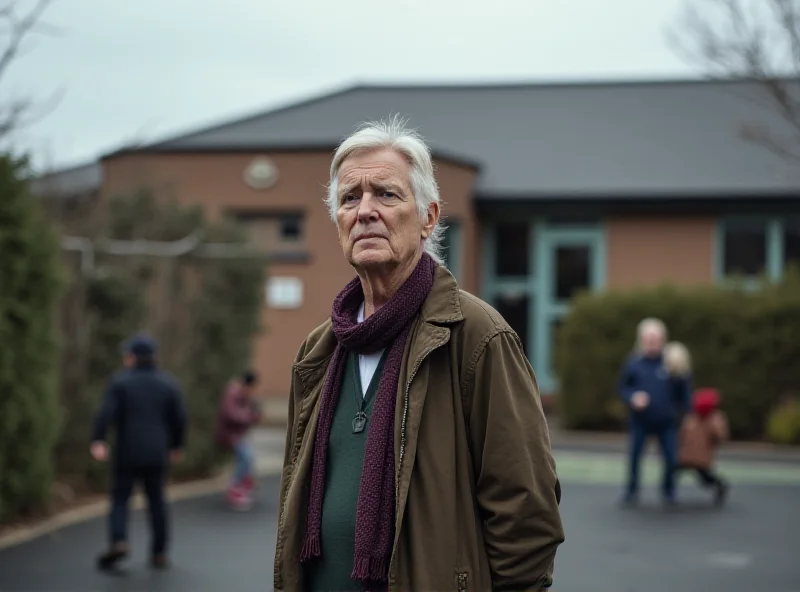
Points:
x=626 y=139
x=67 y=183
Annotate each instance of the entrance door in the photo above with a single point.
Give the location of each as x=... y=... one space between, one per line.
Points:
x=508 y=280
x=572 y=260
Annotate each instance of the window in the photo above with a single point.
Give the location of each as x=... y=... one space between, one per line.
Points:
x=277 y=233
x=511 y=249
x=572 y=266
x=291 y=227
x=759 y=247
x=791 y=244
x=744 y=248
x=514 y=309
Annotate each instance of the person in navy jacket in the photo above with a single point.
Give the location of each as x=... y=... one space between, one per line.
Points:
x=145 y=406
x=656 y=400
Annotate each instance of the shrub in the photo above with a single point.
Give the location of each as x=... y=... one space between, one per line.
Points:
x=204 y=312
x=743 y=342
x=783 y=425
x=29 y=287
x=112 y=310
x=223 y=318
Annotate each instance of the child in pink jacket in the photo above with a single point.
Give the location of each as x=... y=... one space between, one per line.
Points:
x=238 y=413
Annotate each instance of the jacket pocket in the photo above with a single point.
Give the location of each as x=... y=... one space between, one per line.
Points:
x=462 y=580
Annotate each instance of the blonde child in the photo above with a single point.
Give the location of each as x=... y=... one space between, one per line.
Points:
x=678 y=364
x=703 y=428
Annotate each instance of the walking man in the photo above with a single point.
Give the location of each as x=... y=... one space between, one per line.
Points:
x=656 y=399
x=145 y=407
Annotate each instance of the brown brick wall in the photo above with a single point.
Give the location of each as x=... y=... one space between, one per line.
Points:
x=216 y=181
x=455 y=187
x=649 y=250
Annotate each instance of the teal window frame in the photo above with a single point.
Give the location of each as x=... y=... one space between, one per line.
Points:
x=550 y=309
x=544 y=238
x=773 y=266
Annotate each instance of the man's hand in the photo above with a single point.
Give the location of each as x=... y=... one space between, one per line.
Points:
x=176 y=455
x=99 y=451
x=640 y=400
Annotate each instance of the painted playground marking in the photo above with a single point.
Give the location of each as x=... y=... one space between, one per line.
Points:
x=728 y=560
x=603 y=468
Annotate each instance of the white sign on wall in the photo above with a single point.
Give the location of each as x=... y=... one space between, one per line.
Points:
x=284 y=292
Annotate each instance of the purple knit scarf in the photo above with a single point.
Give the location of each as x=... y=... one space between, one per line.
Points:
x=387 y=327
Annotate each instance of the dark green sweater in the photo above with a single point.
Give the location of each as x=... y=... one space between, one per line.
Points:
x=331 y=572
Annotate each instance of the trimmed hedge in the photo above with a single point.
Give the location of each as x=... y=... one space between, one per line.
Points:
x=743 y=341
x=29 y=290
x=204 y=312
x=112 y=309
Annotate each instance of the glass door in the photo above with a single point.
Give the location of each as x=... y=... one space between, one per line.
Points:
x=572 y=260
x=508 y=274
x=572 y=270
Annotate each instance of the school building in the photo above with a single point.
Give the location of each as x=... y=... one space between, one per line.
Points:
x=547 y=189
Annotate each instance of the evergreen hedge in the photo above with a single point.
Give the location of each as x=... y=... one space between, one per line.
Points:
x=204 y=312
x=111 y=309
x=29 y=290
x=743 y=341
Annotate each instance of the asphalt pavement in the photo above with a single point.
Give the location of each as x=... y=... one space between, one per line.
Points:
x=213 y=549
x=751 y=544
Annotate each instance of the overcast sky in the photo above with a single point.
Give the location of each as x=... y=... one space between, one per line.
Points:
x=150 y=68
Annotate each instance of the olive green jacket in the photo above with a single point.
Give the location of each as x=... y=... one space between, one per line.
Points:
x=476 y=488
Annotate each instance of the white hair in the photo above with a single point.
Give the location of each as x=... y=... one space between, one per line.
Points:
x=677 y=359
x=647 y=325
x=394 y=134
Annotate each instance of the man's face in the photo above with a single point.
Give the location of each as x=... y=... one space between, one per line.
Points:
x=652 y=341
x=379 y=224
x=129 y=360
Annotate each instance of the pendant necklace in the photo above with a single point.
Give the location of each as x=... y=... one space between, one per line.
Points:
x=360 y=420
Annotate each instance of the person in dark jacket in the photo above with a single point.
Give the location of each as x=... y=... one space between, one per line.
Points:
x=145 y=407
x=238 y=413
x=656 y=400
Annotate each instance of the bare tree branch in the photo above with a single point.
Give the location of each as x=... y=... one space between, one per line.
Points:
x=14 y=29
x=758 y=135
x=756 y=40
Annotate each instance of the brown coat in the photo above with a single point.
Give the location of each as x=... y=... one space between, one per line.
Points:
x=699 y=438
x=477 y=492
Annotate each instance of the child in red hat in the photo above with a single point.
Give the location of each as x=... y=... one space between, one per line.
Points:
x=703 y=429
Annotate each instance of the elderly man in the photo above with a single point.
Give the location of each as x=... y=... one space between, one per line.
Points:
x=417 y=455
x=655 y=399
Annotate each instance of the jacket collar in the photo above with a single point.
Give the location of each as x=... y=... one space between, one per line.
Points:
x=443 y=304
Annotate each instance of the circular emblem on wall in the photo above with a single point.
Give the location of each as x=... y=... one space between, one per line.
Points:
x=261 y=173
